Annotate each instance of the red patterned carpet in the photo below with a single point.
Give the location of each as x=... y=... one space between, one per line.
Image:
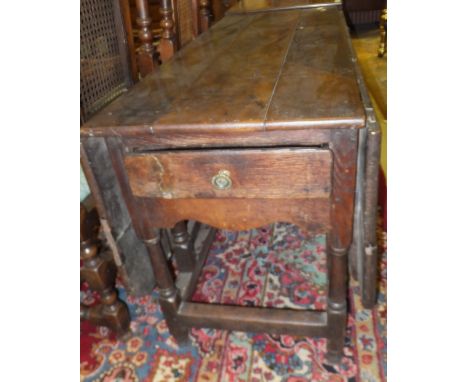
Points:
x=272 y=266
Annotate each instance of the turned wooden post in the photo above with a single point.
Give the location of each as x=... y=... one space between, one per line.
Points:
x=205 y=15
x=182 y=247
x=344 y=147
x=100 y=275
x=169 y=296
x=167 y=43
x=146 y=53
x=336 y=306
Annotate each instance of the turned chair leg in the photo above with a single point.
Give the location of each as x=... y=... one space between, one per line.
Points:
x=146 y=55
x=169 y=296
x=167 y=44
x=182 y=247
x=100 y=275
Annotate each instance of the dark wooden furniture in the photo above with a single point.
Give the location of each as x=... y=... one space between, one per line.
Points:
x=99 y=271
x=160 y=27
x=109 y=66
x=265 y=118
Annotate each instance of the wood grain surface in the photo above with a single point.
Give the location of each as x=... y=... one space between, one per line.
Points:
x=272 y=99
x=254 y=173
x=254 y=72
x=312 y=215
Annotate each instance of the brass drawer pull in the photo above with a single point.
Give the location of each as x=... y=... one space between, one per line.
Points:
x=222 y=180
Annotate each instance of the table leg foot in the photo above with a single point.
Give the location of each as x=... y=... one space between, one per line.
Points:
x=333 y=358
x=170 y=300
x=369 y=287
x=336 y=306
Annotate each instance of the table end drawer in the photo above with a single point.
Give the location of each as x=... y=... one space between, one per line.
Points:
x=287 y=173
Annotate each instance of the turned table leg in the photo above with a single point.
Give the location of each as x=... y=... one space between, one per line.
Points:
x=343 y=144
x=336 y=308
x=169 y=296
x=182 y=247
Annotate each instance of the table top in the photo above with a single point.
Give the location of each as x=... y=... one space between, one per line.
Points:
x=251 y=6
x=288 y=69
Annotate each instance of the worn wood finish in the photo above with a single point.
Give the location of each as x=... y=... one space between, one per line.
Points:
x=169 y=296
x=343 y=144
x=336 y=305
x=344 y=147
x=279 y=56
x=364 y=253
x=312 y=215
x=273 y=98
x=115 y=217
x=254 y=173
x=323 y=79
x=96 y=201
x=254 y=319
x=100 y=273
x=369 y=273
x=276 y=138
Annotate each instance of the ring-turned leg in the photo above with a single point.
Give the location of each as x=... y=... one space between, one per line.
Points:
x=146 y=54
x=182 y=247
x=169 y=296
x=343 y=145
x=167 y=44
x=336 y=308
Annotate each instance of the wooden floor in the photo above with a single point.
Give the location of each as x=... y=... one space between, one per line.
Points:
x=374 y=69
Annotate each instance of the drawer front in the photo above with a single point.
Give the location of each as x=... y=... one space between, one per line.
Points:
x=288 y=173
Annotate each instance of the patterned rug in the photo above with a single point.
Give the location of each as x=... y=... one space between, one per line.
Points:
x=272 y=266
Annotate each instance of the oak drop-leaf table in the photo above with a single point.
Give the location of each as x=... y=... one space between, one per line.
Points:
x=262 y=118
